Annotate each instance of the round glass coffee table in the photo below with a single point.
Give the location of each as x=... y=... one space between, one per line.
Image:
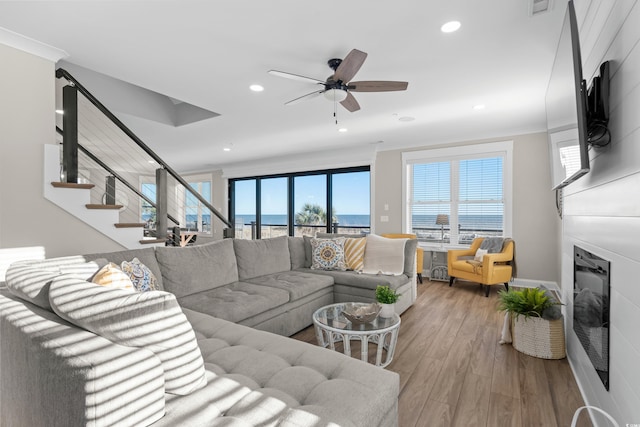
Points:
x=332 y=327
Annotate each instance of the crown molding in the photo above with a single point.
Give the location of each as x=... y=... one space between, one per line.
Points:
x=29 y=45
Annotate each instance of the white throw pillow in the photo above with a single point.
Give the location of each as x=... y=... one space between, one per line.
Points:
x=152 y=320
x=479 y=254
x=383 y=255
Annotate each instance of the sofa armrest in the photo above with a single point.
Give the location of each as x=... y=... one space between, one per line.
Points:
x=74 y=376
x=490 y=260
x=454 y=255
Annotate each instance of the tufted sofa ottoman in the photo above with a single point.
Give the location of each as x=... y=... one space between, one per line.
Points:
x=259 y=378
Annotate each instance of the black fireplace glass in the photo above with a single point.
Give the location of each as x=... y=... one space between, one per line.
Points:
x=591 y=276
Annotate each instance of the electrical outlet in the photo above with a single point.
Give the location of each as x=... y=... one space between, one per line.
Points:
x=386 y=206
x=384 y=218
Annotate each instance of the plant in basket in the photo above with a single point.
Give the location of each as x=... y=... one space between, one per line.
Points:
x=536 y=322
x=526 y=302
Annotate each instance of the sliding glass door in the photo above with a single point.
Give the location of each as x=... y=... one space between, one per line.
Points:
x=301 y=203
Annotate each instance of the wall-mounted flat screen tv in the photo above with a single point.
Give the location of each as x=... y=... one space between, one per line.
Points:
x=566 y=106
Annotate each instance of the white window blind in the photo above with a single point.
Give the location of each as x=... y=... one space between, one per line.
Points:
x=469 y=188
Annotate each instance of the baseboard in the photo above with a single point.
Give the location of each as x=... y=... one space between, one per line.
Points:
x=529 y=283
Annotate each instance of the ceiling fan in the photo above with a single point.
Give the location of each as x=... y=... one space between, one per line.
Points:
x=338 y=86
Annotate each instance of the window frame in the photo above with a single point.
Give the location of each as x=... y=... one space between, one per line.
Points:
x=464 y=152
x=291 y=226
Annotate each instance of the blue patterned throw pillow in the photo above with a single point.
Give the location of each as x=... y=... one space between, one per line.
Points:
x=142 y=278
x=328 y=254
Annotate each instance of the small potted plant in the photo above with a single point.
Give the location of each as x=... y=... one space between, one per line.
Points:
x=536 y=322
x=387 y=298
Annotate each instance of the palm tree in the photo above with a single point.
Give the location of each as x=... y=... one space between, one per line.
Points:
x=311 y=214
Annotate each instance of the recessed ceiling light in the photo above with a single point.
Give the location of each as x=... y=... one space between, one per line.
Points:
x=59 y=111
x=450 y=27
x=406 y=119
x=479 y=107
x=256 y=88
x=226 y=149
x=151 y=161
x=343 y=130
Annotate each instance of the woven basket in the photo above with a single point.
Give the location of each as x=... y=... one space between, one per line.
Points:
x=539 y=337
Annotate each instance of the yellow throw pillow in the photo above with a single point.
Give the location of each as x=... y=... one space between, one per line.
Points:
x=111 y=276
x=354 y=253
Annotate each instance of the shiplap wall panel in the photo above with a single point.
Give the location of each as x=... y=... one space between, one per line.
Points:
x=602 y=209
x=599 y=35
x=616 y=234
x=611 y=199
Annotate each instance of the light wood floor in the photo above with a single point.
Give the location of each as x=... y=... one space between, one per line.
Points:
x=453 y=371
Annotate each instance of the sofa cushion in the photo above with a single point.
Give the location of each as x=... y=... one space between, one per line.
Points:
x=279 y=381
x=296 y=252
x=362 y=280
x=259 y=257
x=194 y=269
x=150 y=320
x=328 y=254
x=30 y=279
x=57 y=375
x=235 y=301
x=384 y=255
x=147 y=256
x=308 y=255
x=296 y=283
x=86 y=270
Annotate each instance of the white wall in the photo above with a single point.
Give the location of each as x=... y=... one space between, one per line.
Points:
x=602 y=209
x=536 y=225
x=27 y=114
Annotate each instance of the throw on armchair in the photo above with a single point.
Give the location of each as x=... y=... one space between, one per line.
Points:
x=419 y=251
x=492 y=268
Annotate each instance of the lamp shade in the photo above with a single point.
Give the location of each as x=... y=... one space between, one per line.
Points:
x=442 y=219
x=337 y=95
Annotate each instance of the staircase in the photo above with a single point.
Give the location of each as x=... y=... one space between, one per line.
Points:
x=128 y=180
x=76 y=199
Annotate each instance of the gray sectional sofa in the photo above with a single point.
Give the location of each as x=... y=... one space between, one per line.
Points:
x=238 y=296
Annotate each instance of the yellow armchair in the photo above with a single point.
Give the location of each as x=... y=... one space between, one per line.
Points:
x=419 y=251
x=494 y=269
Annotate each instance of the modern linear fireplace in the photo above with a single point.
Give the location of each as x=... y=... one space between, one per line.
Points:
x=591 y=308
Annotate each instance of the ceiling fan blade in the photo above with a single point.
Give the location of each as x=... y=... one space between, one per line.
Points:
x=294 y=76
x=350 y=65
x=350 y=103
x=377 y=86
x=304 y=97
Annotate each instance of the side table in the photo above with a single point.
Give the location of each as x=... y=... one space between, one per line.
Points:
x=439 y=269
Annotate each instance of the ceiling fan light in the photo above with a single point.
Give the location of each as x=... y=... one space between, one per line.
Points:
x=337 y=95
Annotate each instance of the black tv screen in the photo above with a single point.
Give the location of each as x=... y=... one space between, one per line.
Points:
x=566 y=106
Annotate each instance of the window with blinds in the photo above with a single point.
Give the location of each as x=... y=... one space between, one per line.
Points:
x=453 y=200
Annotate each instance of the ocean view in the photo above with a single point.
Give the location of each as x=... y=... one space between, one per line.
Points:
x=343 y=220
x=487 y=222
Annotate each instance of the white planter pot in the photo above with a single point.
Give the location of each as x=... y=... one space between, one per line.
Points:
x=387 y=310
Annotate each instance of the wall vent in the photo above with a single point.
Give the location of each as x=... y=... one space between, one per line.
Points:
x=537 y=7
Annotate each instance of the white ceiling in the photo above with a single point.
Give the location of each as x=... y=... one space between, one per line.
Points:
x=207 y=53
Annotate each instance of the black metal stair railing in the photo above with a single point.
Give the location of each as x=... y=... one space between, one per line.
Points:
x=119 y=177
x=100 y=138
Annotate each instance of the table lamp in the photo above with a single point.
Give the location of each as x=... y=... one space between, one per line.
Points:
x=442 y=220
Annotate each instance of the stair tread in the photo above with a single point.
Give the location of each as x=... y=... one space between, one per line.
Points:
x=150 y=241
x=130 y=224
x=72 y=185
x=97 y=206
